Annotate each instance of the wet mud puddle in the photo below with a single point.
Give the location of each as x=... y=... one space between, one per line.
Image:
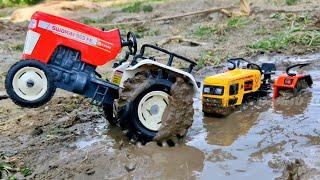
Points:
x=256 y=141
x=253 y=142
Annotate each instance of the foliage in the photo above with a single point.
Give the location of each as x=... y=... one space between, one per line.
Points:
x=203 y=32
x=211 y=58
x=133 y=8
x=283 y=40
x=291 y=2
x=26 y=172
x=296 y=33
x=237 y=22
x=4 y=3
x=139 y=6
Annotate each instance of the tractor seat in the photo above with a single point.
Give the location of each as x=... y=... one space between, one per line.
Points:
x=268 y=68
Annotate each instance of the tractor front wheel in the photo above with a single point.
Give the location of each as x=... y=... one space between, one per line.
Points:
x=30 y=83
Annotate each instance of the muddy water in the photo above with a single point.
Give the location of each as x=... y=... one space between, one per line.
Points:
x=251 y=143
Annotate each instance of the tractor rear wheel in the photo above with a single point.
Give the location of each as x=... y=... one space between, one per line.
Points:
x=30 y=83
x=145 y=107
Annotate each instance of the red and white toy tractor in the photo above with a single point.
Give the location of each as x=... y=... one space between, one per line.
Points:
x=61 y=53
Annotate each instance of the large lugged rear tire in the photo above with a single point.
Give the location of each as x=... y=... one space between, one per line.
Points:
x=146 y=97
x=30 y=83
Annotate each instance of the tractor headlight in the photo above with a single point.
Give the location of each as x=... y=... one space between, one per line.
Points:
x=32 y=24
x=288 y=81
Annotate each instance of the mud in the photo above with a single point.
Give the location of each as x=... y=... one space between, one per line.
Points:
x=298 y=170
x=178 y=115
x=70 y=139
x=133 y=87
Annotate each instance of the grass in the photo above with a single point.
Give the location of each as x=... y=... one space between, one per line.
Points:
x=295 y=32
x=17 y=47
x=106 y=19
x=211 y=58
x=206 y=31
x=283 y=40
x=237 y=22
x=291 y=2
x=9 y=3
x=137 y=7
x=10 y=168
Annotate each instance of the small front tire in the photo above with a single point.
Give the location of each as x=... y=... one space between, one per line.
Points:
x=30 y=83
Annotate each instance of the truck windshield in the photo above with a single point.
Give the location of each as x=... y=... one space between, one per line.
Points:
x=213 y=90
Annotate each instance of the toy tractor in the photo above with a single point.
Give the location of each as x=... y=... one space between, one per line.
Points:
x=61 y=53
x=222 y=93
x=291 y=82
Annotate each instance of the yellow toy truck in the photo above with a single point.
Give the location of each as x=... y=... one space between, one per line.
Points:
x=222 y=93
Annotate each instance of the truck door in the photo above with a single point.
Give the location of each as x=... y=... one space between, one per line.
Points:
x=233 y=94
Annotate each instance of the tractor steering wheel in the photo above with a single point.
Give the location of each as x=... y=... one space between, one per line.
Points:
x=132 y=43
x=254 y=66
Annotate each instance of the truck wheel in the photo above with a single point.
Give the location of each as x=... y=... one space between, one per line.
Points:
x=30 y=83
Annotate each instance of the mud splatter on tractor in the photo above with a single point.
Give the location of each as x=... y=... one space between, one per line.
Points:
x=60 y=53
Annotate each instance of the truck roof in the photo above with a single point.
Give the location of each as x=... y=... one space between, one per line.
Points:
x=230 y=76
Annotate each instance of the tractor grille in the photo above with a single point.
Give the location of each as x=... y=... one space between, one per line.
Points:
x=212 y=101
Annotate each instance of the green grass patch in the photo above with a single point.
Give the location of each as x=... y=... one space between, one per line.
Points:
x=9 y=169
x=133 y=8
x=26 y=172
x=283 y=40
x=291 y=2
x=206 y=31
x=106 y=19
x=10 y=3
x=237 y=22
x=17 y=47
x=147 y=8
x=137 y=7
x=210 y=58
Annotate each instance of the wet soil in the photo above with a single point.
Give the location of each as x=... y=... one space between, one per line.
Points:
x=69 y=138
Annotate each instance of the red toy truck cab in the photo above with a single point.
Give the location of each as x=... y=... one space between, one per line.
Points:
x=291 y=81
x=47 y=32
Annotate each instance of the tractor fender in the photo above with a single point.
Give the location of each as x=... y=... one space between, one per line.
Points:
x=147 y=64
x=308 y=80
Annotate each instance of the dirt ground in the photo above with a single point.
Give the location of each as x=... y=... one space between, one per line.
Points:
x=69 y=138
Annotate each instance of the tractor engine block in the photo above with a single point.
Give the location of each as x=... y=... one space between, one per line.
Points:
x=74 y=75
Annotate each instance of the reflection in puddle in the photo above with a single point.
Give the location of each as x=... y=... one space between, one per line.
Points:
x=249 y=144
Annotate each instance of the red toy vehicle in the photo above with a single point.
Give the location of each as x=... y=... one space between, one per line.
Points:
x=61 y=53
x=292 y=82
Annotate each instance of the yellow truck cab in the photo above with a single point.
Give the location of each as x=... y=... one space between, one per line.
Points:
x=223 y=92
